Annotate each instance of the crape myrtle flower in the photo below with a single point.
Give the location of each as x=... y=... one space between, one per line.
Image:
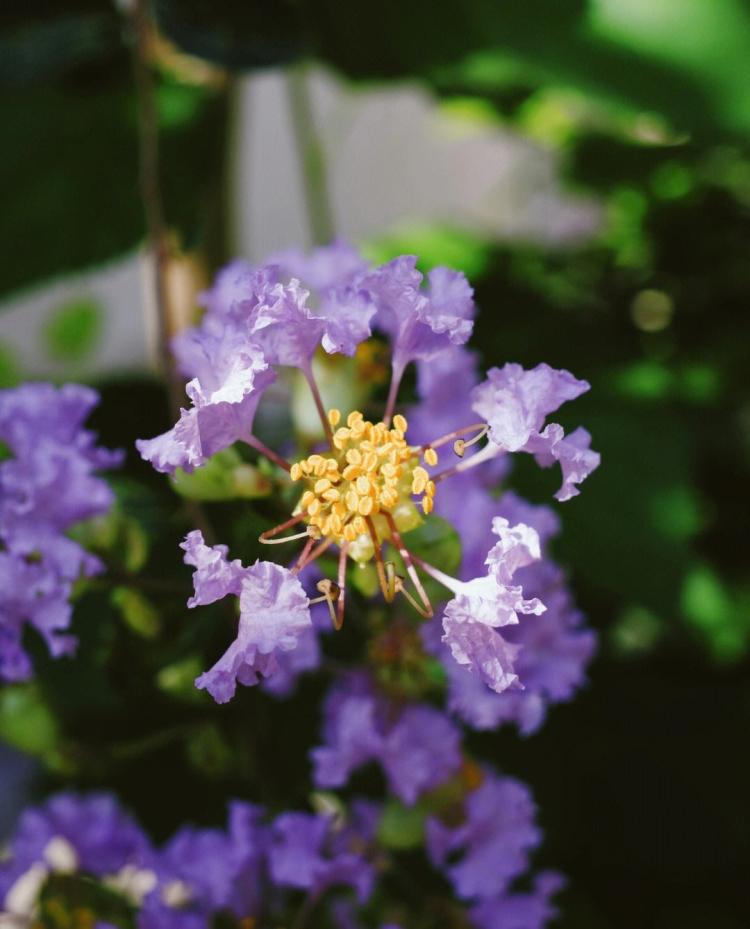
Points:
x=373 y=480
x=554 y=648
x=67 y=834
x=531 y=910
x=316 y=851
x=417 y=747
x=490 y=848
x=48 y=484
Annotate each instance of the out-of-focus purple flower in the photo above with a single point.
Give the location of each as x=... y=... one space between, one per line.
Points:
x=202 y=871
x=324 y=268
x=515 y=404
x=531 y=910
x=231 y=374
x=31 y=594
x=421 y=324
x=418 y=747
x=491 y=846
x=315 y=852
x=274 y=614
x=68 y=833
x=47 y=485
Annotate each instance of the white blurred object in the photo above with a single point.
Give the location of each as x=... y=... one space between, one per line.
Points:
x=393 y=156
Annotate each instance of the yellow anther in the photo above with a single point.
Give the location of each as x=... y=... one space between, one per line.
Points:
x=389 y=470
x=351 y=472
x=325 y=525
x=363 y=485
x=332 y=494
x=349 y=532
x=429 y=488
x=313 y=460
x=400 y=423
x=352 y=501
x=427 y=505
x=322 y=485
x=420 y=473
x=360 y=526
x=354 y=456
x=365 y=506
x=332 y=466
x=305 y=466
x=358 y=429
x=295 y=472
x=314 y=508
x=370 y=461
x=418 y=485
x=336 y=523
x=320 y=468
x=342 y=434
x=354 y=417
x=307 y=497
x=334 y=417
x=431 y=457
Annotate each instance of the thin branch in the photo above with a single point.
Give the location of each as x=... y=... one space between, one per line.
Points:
x=269 y=453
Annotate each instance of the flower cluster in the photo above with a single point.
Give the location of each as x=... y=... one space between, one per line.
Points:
x=507 y=641
x=359 y=485
x=251 y=872
x=47 y=485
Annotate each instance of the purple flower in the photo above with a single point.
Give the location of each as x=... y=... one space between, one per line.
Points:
x=418 y=748
x=31 y=594
x=315 y=852
x=471 y=620
x=68 y=833
x=530 y=910
x=231 y=375
x=420 y=324
x=274 y=614
x=515 y=404
x=323 y=269
x=202 y=871
x=490 y=848
x=47 y=485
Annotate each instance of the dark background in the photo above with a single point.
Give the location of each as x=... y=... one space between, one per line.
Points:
x=642 y=781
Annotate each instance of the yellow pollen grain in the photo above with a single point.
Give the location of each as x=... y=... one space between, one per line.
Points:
x=427 y=505
x=334 y=417
x=305 y=466
x=322 y=485
x=430 y=488
x=352 y=472
x=365 y=506
x=314 y=508
x=350 y=533
x=331 y=495
x=431 y=457
x=332 y=465
x=354 y=456
x=307 y=497
x=418 y=485
x=295 y=472
x=336 y=523
x=352 y=501
x=363 y=485
x=420 y=473
x=354 y=417
x=400 y=423
x=320 y=468
x=370 y=461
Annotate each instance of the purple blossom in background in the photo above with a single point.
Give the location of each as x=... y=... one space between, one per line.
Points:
x=274 y=614
x=491 y=847
x=315 y=852
x=530 y=910
x=47 y=486
x=418 y=748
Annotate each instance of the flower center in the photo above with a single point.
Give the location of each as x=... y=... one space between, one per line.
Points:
x=371 y=469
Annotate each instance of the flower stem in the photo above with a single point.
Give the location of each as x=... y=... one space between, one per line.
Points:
x=409 y=562
x=261 y=447
x=397 y=372
x=311 y=156
x=310 y=377
x=436 y=574
x=489 y=452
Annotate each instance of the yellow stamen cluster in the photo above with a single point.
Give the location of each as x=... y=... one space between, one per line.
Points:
x=369 y=469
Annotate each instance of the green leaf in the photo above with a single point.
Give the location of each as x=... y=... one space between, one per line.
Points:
x=73 y=331
x=401 y=827
x=225 y=476
x=77 y=900
x=140 y=615
x=178 y=679
x=26 y=722
x=10 y=373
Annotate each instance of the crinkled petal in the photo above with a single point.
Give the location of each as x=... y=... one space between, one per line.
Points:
x=577 y=460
